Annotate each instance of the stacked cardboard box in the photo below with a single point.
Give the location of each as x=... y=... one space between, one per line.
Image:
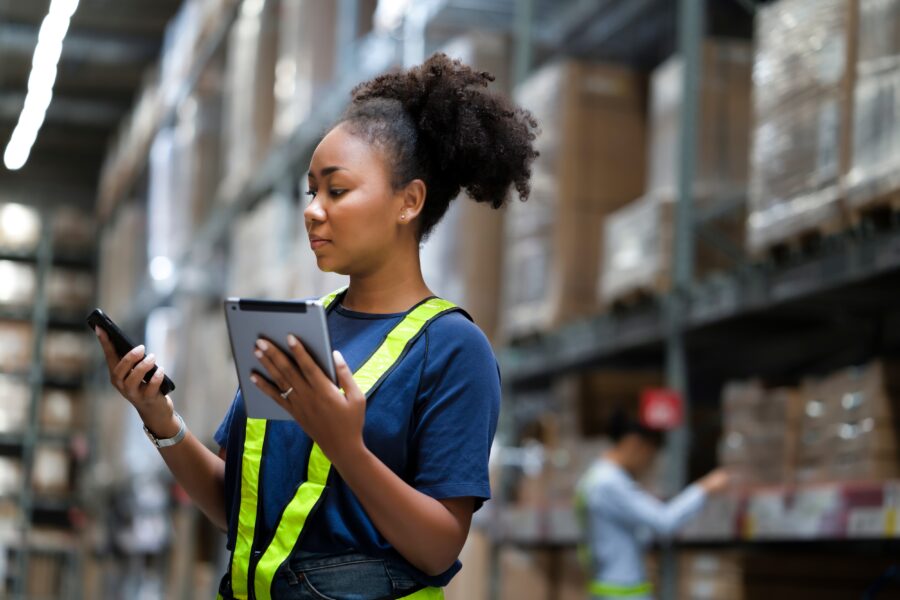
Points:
x=306 y=60
x=67 y=354
x=638 y=238
x=470 y=273
x=875 y=173
x=69 y=290
x=16 y=395
x=74 y=232
x=249 y=107
x=19 y=284
x=262 y=243
x=60 y=410
x=51 y=471
x=776 y=576
x=16 y=345
x=591 y=163
x=124 y=259
x=10 y=476
x=851 y=424
x=803 y=93
x=20 y=227
x=759 y=432
x=534 y=574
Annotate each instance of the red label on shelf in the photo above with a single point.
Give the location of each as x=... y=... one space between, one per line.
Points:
x=661 y=408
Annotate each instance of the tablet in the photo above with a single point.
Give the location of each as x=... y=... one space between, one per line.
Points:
x=249 y=320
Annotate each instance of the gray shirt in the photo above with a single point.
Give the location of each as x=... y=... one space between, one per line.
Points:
x=623 y=519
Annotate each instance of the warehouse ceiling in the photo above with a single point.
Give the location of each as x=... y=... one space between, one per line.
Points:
x=108 y=47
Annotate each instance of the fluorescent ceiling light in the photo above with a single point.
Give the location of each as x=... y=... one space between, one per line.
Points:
x=40 y=82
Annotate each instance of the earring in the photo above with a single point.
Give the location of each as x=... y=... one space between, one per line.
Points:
x=403 y=217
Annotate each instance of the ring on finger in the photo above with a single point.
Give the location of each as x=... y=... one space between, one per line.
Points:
x=284 y=395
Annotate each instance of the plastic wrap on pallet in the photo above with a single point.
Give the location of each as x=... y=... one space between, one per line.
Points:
x=591 y=163
x=802 y=75
x=306 y=60
x=249 y=90
x=876 y=137
x=724 y=123
x=801 y=49
x=795 y=170
x=879 y=35
x=168 y=209
x=637 y=241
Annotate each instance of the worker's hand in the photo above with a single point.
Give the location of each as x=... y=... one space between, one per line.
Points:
x=333 y=418
x=127 y=376
x=716 y=481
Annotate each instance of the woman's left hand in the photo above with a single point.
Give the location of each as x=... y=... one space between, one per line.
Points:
x=333 y=418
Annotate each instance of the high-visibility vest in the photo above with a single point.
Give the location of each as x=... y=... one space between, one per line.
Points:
x=253 y=568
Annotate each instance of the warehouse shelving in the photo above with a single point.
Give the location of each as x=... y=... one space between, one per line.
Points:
x=35 y=508
x=684 y=330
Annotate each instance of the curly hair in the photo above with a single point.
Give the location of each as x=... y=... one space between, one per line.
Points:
x=437 y=122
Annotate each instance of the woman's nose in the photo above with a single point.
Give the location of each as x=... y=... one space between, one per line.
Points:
x=314 y=211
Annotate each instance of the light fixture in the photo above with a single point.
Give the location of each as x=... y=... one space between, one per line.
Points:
x=40 y=82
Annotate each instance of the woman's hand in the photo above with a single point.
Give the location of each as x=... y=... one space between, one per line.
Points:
x=127 y=376
x=333 y=418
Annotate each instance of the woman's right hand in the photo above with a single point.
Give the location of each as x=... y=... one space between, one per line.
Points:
x=127 y=376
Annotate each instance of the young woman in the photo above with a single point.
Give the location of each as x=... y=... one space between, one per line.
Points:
x=370 y=492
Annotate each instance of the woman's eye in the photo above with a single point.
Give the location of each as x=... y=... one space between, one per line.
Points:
x=311 y=193
x=336 y=193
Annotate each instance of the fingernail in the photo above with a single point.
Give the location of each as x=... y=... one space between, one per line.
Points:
x=262 y=345
x=97 y=331
x=138 y=349
x=150 y=358
x=292 y=341
x=258 y=354
x=339 y=358
x=254 y=379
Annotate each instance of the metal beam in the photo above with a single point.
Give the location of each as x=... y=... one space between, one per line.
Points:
x=19 y=39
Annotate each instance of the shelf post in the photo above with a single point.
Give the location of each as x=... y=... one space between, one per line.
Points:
x=690 y=37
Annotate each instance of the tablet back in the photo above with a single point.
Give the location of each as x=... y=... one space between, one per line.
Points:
x=249 y=319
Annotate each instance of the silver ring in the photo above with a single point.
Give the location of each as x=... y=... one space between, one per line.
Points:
x=286 y=393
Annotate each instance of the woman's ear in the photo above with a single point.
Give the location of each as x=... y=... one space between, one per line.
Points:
x=413 y=201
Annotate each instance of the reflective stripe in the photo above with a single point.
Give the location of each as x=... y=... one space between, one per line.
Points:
x=600 y=588
x=426 y=594
x=250 y=460
x=297 y=512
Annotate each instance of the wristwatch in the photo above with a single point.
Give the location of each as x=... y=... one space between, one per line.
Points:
x=165 y=443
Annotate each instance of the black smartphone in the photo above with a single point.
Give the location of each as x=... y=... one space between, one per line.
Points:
x=123 y=345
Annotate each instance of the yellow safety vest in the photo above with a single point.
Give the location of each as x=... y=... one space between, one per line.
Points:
x=253 y=569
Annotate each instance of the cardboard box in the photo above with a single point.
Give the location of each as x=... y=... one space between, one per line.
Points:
x=249 y=108
x=16 y=394
x=69 y=289
x=16 y=346
x=61 y=410
x=723 y=127
x=523 y=574
x=67 y=354
x=20 y=227
x=591 y=163
x=51 y=471
x=306 y=60
x=10 y=475
x=470 y=274
x=473 y=582
x=74 y=232
x=262 y=244
x=19 y=284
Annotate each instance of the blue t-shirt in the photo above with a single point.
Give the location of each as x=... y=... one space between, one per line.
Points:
x=431 y=421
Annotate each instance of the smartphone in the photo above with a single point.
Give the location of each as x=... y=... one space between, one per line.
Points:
x=123 y=345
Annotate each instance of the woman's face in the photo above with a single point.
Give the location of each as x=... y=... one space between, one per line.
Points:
x=352 y=215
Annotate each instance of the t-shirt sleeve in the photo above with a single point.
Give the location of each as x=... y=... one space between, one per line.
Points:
x=457 y=410
x=221 y=435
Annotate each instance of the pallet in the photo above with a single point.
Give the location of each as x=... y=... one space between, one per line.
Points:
x=879 y=212
x=641 y=293
x=804 y=242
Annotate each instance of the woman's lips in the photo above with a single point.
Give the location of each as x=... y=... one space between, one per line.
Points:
x=315 y=244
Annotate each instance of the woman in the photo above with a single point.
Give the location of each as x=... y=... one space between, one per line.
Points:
x=370 y=493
